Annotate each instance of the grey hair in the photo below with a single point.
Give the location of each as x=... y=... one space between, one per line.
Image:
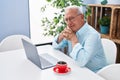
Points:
x=79 y=8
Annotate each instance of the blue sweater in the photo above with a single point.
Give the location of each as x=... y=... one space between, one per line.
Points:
x=88 y=52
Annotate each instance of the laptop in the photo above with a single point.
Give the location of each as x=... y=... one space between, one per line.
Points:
x=43 y=61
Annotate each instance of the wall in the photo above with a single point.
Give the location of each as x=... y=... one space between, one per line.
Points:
x=109 y=1
x=89 y=1
x=14 y=18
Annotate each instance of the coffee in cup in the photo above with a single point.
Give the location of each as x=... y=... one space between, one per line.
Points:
x=61 y=65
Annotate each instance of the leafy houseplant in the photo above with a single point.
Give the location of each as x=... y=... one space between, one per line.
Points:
x=57 y=24
x=104 y=2
x=104 y=24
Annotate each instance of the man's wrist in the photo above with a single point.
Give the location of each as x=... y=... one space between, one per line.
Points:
x=59 y=39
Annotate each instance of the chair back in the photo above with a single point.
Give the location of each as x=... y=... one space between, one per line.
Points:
x=110 y=50
x=110 y=72
x=12 y=42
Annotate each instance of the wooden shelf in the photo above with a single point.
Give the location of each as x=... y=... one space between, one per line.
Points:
x=112 y=11
x=105 y=36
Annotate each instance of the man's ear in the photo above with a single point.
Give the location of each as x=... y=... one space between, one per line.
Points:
x=82 y=16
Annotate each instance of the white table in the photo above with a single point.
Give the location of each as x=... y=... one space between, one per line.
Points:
x=15 y=66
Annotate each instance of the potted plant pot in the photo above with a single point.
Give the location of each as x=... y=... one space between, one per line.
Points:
x=104 y=29
x=104 y=24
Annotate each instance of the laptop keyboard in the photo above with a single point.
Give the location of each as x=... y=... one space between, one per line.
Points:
x=49 y=58
x=44 y=62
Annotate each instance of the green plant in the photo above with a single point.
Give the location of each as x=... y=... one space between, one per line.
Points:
x=104 y=21
x=104 y=2
x=57 y=24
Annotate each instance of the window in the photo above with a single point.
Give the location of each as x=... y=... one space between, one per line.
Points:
x=35 y=21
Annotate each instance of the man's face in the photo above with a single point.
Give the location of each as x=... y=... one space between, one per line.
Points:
x=74 y=20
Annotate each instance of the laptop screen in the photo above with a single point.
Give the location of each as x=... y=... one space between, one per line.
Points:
x=43 y=61
x=31 y=52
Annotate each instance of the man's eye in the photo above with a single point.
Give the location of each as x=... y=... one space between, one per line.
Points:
x=71 y=18
x=66 y=19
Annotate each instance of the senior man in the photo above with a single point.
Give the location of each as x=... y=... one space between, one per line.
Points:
x=83 y=41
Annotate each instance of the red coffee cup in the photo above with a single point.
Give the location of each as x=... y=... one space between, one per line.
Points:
x=61 y=66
